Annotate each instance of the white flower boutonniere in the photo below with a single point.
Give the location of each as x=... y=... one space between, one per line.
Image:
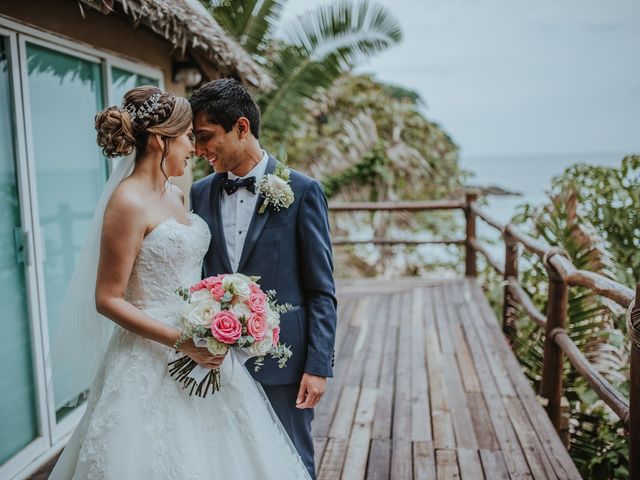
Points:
x=275 y=189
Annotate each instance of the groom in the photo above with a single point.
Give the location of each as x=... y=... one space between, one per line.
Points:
x=290 y=249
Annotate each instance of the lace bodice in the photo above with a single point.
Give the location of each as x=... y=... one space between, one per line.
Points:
x=170 y=257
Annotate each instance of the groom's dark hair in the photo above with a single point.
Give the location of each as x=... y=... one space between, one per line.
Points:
x=224 y=101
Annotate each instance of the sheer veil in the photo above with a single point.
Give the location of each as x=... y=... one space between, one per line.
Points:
x=82 y=334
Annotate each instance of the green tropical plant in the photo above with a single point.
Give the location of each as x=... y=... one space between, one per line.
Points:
x=596 y=440
x=313 y=51
x=250 y=22
x=369 y=141
x=610 y=197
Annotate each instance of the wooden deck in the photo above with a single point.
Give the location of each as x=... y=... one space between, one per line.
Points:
x=426 y=387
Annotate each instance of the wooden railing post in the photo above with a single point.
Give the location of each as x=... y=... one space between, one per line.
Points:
x=510 y=270
x=471 y=266
x=634 y=399
x=552 y=368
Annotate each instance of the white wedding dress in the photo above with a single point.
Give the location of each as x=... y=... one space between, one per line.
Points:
x=140 y=424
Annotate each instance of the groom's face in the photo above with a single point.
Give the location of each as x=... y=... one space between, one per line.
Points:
x=220 y=148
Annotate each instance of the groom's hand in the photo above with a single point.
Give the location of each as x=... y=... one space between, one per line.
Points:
x=311 y=391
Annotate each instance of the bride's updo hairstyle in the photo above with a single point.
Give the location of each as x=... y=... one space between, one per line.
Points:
x=145 y=110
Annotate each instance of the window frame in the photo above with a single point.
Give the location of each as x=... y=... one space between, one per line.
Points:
x=52 y=434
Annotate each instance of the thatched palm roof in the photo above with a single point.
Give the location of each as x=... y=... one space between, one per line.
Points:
x=188 y=25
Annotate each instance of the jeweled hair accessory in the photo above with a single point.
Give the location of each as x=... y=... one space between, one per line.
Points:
x=143 y=110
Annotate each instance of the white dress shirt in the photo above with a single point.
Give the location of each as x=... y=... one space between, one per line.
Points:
x=237 y=211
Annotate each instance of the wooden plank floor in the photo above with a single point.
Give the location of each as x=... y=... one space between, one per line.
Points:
x=426 y=387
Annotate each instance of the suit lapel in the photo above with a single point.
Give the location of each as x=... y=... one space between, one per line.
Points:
x=217 y=228
x=258 y=222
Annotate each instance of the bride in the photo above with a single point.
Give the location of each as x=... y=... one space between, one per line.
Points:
x=139 y=423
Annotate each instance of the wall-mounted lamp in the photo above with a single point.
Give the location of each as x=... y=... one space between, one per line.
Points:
x=187 y=74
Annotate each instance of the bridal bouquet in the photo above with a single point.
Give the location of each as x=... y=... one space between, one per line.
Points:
x=227 y=311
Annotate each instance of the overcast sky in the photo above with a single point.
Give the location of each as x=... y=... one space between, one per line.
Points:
x=507 y=77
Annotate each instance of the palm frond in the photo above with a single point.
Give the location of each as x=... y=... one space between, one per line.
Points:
x=250 y=21
x=353 y=31
x=321 y=45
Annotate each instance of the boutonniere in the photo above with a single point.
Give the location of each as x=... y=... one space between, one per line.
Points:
x=275 y=189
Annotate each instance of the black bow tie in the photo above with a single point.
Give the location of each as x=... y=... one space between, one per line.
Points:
x=231 y=186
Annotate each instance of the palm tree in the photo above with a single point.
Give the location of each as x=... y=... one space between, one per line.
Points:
x=312 y=51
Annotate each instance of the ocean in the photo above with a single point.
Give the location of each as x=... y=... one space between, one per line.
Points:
x=530 y=175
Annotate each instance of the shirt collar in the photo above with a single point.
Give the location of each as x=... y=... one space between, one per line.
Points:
x=257 y=171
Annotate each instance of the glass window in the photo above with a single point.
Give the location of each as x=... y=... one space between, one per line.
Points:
x=122 y=81
x=65 y=92
x=18 y=400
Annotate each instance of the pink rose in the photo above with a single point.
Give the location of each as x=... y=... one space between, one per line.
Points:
x=276 y=336
x=257 y=303
x=255 y=289
x=257 y=326
x=208 y=283
x=197 y=287
x=218 y=291
x=226 y=328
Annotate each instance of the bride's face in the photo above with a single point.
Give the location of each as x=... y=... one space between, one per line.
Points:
x=181 y=149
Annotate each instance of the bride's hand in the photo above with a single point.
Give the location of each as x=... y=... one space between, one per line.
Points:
x=201 y=355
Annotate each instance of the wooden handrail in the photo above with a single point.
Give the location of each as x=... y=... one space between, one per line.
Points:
x=594 y=281
x=562 y=274
x=490 y=260
x=390 y=241
x=618 y=403
x=600 y=284
x=534 y=245
x=488 y=219
x=525 y=301
x=453 y=204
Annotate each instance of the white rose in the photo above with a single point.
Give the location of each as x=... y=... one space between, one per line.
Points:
x=239 y=285
x=244 y=277
x=201 y=310
x=276 y=185
x=241 y=310
x=262 y=347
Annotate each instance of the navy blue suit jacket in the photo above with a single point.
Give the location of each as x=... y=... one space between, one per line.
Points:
x=291 y=251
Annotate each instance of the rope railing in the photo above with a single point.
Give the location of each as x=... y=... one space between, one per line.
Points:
x=561 y=275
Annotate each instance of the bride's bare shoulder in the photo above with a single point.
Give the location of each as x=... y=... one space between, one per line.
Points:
x=128 y=203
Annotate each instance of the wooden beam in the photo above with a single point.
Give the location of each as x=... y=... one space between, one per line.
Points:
x=510 y=271
x=475 y=244
x=618 y=403
x=538 y=247
x=551 y=384
x=519 y=295
x=487 y=218
x=598 y=283
x=452 y=204
x=471 y=264
x=389 y=241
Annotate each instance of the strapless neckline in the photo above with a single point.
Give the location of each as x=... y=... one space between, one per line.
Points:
x=170 y=220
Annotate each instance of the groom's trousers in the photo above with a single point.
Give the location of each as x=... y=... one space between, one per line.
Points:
x=296 y=422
